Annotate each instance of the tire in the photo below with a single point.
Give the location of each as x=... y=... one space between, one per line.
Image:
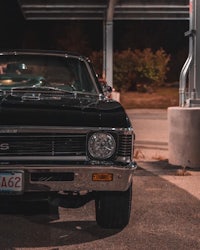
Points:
x=113 y=208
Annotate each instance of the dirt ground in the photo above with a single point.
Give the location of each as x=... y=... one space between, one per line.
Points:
x=160 y=98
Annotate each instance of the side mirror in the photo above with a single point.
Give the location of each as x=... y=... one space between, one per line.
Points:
x=107 y=89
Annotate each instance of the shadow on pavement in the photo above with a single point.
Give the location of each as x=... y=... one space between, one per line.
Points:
x=37 y=224
x=164 y=216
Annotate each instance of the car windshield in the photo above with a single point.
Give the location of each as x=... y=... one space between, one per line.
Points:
x=46 y=72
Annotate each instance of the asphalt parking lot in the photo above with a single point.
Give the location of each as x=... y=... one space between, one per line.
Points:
x=164 y=216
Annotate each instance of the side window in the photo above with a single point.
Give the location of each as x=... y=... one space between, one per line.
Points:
x=86 y=82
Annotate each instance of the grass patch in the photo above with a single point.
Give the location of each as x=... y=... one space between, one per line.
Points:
x=161 y=98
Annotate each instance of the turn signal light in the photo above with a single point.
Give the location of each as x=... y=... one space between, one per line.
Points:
x=102 y=177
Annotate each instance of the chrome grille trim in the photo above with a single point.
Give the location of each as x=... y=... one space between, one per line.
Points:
x=58 y=129
x=125 y=145
x=44 y=158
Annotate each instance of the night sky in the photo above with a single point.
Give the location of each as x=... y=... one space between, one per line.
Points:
x=16 y=32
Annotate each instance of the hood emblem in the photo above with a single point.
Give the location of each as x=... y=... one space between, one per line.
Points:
x=4 y=146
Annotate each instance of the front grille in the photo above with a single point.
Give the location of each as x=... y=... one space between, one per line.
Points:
x=31 y=146
x=42 y=145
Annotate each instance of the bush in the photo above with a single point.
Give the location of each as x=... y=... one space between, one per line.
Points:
x=124 y=70
x=151 y=67
x=136 y=68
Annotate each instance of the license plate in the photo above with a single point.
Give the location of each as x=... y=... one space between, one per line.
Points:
x=11 y=182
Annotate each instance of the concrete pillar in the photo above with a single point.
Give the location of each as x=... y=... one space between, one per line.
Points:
x=184 y=121
x=184 y=136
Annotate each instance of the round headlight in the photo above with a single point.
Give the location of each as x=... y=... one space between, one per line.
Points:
x=101 y=145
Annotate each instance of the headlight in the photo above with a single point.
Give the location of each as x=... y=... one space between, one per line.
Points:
x=101 y=145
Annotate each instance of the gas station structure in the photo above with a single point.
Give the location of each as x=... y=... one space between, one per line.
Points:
x=108 y=11
x=183 y=121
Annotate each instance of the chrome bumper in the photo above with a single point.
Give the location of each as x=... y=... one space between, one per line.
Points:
x=82 y=177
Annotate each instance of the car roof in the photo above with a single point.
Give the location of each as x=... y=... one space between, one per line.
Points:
x=43 y=52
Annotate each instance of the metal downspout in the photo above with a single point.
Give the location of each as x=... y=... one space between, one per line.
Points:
x=185 y=70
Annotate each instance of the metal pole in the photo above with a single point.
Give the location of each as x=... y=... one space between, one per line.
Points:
x=194 y=74
x=109 y=52
x=104 y=51
x=197 y=49
x=108 y=43
x=188 y=66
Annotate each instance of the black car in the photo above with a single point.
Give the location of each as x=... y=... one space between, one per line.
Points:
x=61 y=136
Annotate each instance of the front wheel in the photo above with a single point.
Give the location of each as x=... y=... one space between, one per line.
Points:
x=113 y=208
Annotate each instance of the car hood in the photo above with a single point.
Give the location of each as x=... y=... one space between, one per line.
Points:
x=75 y=111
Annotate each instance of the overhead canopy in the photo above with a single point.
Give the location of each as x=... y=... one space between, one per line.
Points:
x=107 y=11
x=98 y=9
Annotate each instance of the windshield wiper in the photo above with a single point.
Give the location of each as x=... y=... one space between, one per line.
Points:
x=39 y=92
x=38 y=89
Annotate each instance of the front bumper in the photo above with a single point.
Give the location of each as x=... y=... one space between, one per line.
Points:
x=47 y=178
